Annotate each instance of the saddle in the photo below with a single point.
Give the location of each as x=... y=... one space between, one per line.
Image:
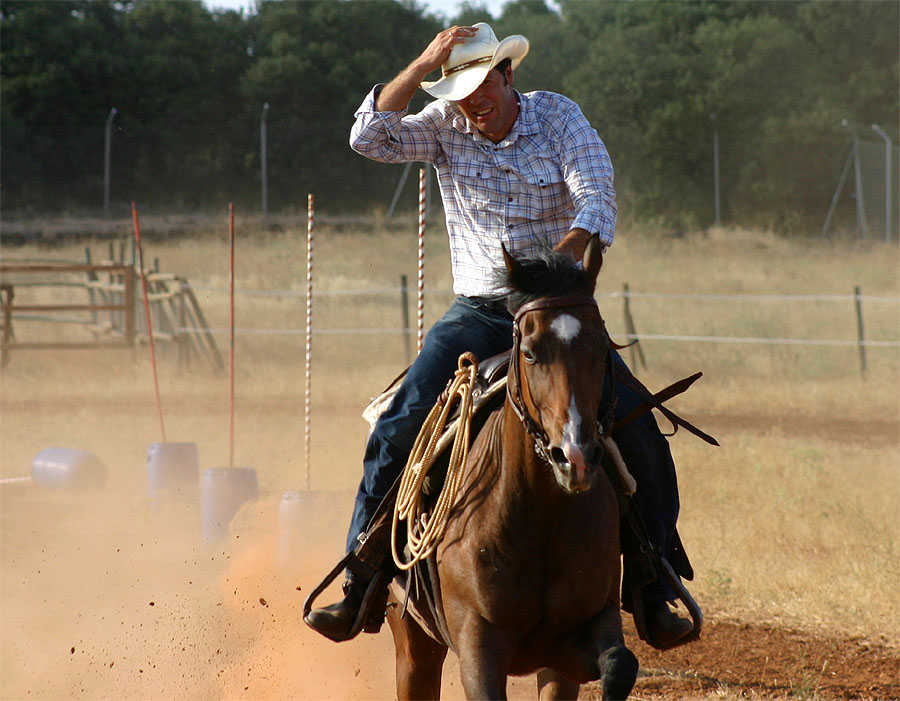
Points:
x=371 y=559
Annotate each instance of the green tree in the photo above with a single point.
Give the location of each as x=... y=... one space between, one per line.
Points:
x=181 y=112
x=189 y=85
x=52 y=125
x=314 y=65
x=776 y=75
x=640 y=85
x=550 y=57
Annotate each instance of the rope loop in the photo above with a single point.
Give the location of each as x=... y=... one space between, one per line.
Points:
x=424 y=532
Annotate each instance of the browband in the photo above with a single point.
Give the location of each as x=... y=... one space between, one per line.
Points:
x=572 y=300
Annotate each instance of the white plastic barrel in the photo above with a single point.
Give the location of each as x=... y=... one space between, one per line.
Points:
x=312 y=528
x=67 y=468
x=223 y=491
x=297 y=518
x=173 y=472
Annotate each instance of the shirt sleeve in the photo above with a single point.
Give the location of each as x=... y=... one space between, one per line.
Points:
x=588 y=173
x=392 y=137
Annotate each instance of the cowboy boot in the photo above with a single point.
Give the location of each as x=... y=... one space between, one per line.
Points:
x=643 y=597
x=664 y=627
x=336 y=621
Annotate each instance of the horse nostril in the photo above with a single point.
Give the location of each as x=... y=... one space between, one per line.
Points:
x=594 y=454
x=558 y=456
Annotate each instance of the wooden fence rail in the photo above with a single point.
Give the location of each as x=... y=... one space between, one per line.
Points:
x=112 y=306
x=122 y=303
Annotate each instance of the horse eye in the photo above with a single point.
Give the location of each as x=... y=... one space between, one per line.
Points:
x=528 y=355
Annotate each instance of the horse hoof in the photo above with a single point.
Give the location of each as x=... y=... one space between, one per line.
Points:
x=620 y=668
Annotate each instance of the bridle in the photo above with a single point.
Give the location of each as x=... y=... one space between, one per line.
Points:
x=514 y=384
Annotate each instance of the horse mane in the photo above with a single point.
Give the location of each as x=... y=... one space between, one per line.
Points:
x=545 y=274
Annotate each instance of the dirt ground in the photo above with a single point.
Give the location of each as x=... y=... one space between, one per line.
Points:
x=106 y=595
x=767 y=662
x=140 y=609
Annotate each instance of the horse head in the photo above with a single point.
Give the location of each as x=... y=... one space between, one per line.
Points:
x=560 y=358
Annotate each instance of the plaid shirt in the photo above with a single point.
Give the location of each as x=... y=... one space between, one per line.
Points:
x=549 y=175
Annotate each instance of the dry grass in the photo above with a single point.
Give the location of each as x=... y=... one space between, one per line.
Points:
x=793 y=519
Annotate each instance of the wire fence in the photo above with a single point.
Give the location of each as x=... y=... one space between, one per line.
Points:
x=625 y=295
x=404 y=326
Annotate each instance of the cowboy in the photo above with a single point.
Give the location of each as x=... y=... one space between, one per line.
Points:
x=525 y=170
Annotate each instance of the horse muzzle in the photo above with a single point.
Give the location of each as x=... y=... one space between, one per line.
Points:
x=575 y=465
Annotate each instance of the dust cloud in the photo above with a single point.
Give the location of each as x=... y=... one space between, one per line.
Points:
x=107 y=594
x=104 y=598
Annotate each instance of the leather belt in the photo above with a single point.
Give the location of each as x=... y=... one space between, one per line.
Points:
x=495 y=304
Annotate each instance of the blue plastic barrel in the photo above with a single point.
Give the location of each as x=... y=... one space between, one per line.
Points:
x=68 y=468
x=224 y=490
x=173 y=472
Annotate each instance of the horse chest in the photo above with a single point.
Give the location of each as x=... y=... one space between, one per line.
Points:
x=518 y=577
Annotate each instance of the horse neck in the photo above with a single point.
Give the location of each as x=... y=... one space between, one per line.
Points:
x=523 y=474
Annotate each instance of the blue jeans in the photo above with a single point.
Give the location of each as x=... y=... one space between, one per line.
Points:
x=646 y=453
x=485 y=330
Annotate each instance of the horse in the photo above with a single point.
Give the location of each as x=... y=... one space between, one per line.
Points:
x=526 y=577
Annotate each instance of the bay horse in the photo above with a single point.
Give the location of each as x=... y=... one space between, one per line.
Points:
x=526 y=578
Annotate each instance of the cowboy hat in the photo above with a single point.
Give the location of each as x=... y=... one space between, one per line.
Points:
x=469 y=62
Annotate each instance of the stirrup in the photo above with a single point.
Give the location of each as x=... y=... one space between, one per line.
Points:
x=640 y=621
x=368 y=617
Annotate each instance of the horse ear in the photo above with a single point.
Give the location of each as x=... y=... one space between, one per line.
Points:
x=593 y=257
x=512 y=265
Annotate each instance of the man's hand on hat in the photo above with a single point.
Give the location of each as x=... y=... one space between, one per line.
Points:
x=438 y=51
x=395 y=96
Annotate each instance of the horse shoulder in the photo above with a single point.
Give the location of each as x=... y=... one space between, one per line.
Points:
x=478 y=563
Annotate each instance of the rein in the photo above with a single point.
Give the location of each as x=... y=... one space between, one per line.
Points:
x=514 y=386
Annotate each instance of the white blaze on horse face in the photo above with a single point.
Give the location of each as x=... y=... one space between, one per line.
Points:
x=566 y=327
x=570 y=446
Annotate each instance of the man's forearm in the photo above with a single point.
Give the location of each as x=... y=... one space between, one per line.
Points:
x=396 y=95
x=574 y=243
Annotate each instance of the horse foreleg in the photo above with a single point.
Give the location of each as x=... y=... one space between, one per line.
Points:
x=553 y=687
x=617 y=665
x=483 y=654
x=419 y=659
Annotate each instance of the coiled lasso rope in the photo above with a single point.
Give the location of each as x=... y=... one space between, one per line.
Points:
x=424 y=532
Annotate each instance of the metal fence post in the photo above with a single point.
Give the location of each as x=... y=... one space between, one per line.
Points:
x=404 y=311
x=107 y=157
x=860 y=333
x=631 y=332
x=263 y=157
x=857 y=171
x=888 y=189
x=716 y=169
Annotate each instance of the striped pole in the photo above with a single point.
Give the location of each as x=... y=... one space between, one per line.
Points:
x=420 y=289
x=310 y=220
x=231 y=336
x=140 y=252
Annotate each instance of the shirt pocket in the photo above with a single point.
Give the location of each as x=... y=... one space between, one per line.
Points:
x=543 y=192
x=472 y=183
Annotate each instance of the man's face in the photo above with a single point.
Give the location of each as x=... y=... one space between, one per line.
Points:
x=492 y=109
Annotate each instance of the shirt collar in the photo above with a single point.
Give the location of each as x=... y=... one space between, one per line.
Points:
x=526 y=123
